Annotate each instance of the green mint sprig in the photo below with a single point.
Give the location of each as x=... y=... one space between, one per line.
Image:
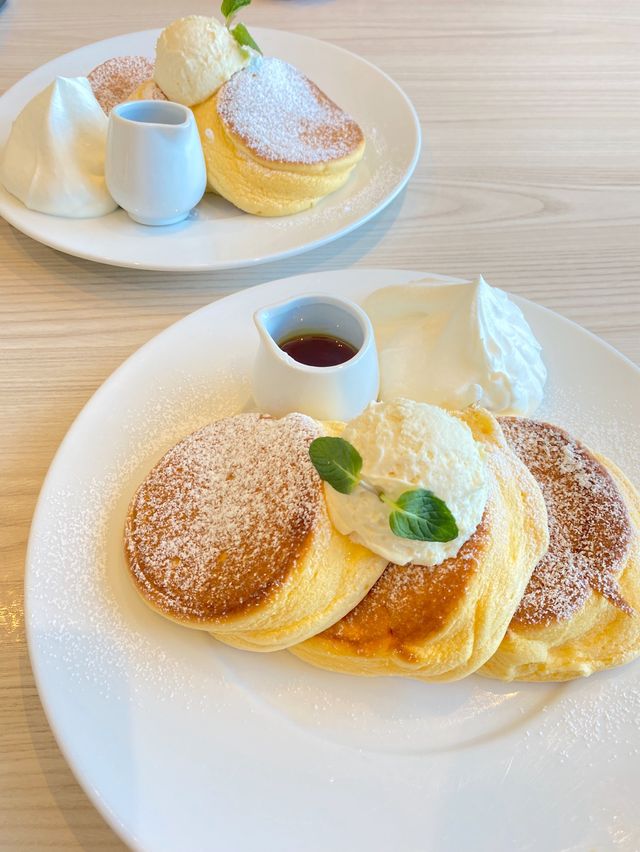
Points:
x=421 y=516
x=418 y=514
x=229 y=9
x=243 y=37
x=337 y=462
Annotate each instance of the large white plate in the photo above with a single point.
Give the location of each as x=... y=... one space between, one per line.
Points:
x=184 y=743
x=218 y=235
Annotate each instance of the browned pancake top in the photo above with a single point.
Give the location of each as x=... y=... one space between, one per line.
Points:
x=410 y=603
x=114 y=80
x=223 y=517
x=283 y=117
x=589 y=525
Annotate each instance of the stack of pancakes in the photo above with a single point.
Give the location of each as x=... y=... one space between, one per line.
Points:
x=581 y=610
x=273 y=142
x=230 y=533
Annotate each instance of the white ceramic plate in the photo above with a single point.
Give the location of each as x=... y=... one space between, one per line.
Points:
x=182 y=742
x=218 y=235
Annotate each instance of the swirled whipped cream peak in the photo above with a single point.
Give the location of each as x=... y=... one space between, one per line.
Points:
x=456 y=344
x=407 y=446
x=54 y=158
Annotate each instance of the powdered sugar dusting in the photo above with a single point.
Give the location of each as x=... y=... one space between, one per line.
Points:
x=222 y=519
x=96 y=627
x=368 y=186
x=589 y=525
x=610 y=427
x=114 y=80
x=284 y=117
x=602 y=711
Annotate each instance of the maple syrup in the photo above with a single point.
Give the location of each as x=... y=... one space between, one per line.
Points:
x=318 y=350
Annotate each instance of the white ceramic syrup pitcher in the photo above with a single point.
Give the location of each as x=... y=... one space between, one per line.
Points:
x=282 y=385
x=154 y=166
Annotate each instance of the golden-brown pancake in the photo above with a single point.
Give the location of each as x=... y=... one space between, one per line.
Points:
x=444 y=622
x=114 y=80
x=579 y=613
x=148 y=90
x=229 y=533
x=273 y=142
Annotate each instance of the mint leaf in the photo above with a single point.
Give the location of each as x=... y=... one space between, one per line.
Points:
x=421 y=516
x=243 y=37
x=230 y=7
x=337 y=463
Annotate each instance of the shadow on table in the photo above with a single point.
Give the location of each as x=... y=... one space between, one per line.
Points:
x=71 y=272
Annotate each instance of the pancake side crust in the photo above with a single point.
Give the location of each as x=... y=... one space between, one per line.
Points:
x=292 y=170
x=599 y=636
x=443 y=623
x=332 y=577
x=229 y=533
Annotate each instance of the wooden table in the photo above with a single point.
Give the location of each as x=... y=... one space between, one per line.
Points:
x=530 y=174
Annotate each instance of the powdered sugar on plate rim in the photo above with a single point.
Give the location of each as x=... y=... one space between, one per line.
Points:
x=90 y=636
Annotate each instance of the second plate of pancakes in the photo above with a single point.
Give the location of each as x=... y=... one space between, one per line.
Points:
x=218 y=235
x=181 y=740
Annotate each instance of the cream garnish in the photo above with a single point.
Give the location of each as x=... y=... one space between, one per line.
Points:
x=407 y=445
x=54 y=158
x=456 y=344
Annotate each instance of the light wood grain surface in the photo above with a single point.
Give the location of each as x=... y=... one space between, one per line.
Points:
x=530 y=173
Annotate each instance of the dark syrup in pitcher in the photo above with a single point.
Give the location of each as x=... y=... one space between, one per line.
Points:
x=317 y=350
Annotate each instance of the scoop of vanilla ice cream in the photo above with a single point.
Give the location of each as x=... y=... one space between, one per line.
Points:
x=54 y=158
x=407 y=445
x=194 y=57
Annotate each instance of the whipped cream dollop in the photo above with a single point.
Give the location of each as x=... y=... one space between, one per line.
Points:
x=407 y=445
x=54 y=158
x=456 y=344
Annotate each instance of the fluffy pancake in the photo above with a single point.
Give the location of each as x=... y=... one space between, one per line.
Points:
x=114 y=80
x=229 y=533
x=444 y=622
x=580 y=611
x=273 y=142
x=148 y=90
